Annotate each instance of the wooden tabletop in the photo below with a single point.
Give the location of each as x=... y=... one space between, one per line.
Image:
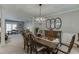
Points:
x=46 y=42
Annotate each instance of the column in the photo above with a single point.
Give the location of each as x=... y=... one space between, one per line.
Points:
x=2 y=27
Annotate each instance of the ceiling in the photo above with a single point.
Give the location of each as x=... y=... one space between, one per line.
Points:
x=26 y=11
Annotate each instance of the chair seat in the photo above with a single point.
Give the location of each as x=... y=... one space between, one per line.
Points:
x=75 y=51
x=40 y=48
x=63 y=48
x=77 y=42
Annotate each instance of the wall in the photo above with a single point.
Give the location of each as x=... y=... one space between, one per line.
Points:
x=70 y=22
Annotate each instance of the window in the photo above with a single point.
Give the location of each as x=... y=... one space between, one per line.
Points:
x=14 y=26
x=10 y=27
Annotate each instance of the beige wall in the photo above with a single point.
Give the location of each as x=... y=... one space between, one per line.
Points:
x=70 y=22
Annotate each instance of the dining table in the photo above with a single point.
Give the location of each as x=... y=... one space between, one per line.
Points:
x=47 y=43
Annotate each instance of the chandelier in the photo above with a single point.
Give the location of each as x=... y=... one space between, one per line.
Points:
x=40 y=18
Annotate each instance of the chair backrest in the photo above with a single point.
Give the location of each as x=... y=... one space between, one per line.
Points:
x=31 y=38
x=71 y=44
x=23 y=33
x=78 y=36
x=25 y=36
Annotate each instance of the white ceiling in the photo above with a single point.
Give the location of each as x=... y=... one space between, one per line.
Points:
x=25 y=11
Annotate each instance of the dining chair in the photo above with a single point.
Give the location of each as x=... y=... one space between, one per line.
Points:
x=23 y=34
x=64 y=47
x=26 y=43
x=78 y=36
x=77 y=41
x=34 y=46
